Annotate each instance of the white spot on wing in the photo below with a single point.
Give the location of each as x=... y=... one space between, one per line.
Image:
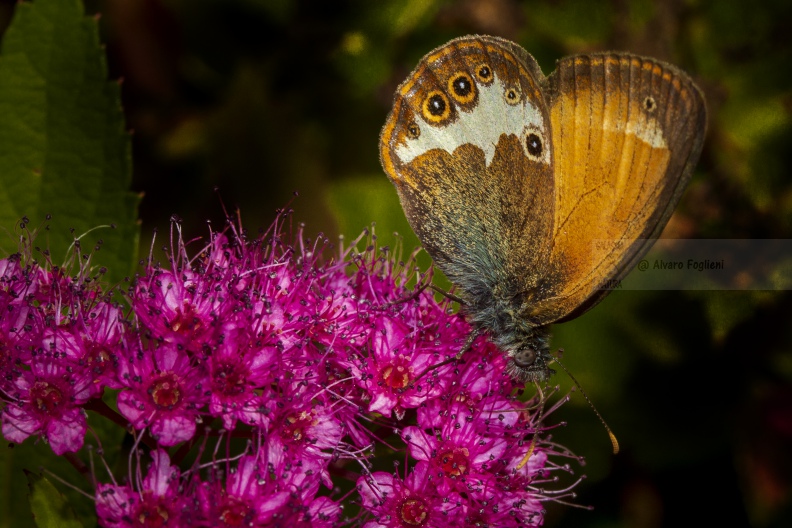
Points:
x=482 y=126
x=648 y=131
x=644 y=129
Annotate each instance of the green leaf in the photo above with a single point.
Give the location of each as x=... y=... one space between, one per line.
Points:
x=18 y=459
x=50 y=508
x=64 y=149
x=13 y=509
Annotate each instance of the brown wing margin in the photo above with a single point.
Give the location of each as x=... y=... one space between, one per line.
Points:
x=627 y=133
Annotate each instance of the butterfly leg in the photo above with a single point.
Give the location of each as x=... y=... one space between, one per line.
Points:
x=419 y=289
x=449 y=295
x=468 y=343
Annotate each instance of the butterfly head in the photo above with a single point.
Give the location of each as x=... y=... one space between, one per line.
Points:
x=504 y=314
x=529 y=363
x=529 y=355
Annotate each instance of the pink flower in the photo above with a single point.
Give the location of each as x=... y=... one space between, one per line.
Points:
x=178 y=307
x=164 y=392
x=459 y=449
x=46 y=400
x=395 y=370
x=19 y=326
x=102 y=334
x=413 y=501
x=19 y=281
x=301 y=367
x=239 y=376
x=267 y=491
x=156 y=500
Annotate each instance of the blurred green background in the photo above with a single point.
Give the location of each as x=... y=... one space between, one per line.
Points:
x=262 y=98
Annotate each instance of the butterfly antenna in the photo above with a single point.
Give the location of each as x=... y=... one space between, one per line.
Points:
x=536 y=430
x=588 y=400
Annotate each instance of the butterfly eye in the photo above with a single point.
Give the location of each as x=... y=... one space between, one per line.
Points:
x=413 y=130
x=436 y=107
x=462 y=88
x=524 y=358
x=484 y=74
x=512 y=96
x=649 y=104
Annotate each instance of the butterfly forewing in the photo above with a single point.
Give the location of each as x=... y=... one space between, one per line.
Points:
x=626 y=132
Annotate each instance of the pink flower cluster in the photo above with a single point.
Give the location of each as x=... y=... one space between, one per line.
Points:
x=325 y=368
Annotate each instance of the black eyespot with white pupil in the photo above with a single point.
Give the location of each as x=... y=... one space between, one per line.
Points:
x=533 y=144
x=436 y=108
x=437 y=105
x=413 y=130
x=462 y=86
x=484 y=73
x=512 y=96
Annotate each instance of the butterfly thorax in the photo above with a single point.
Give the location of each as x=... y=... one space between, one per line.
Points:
x=503 y=316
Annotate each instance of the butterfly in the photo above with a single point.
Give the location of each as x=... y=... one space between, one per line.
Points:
x=533 y=194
